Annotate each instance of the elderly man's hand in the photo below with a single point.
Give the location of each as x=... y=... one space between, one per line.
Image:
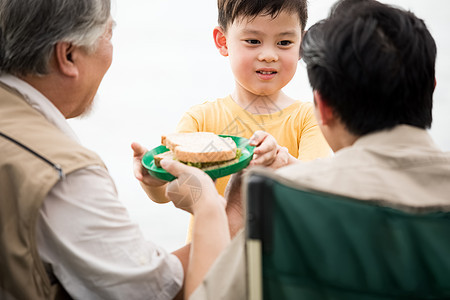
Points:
x=192 y=189
x=140 y=172
x=153 y=187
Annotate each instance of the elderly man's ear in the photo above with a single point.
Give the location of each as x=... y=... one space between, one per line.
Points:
x=66 y=58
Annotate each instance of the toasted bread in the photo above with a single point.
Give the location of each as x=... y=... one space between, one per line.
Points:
x=200 y=147
x=157 y=158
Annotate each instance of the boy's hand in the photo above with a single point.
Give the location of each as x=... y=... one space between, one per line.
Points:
x=266 y=149
x=283 y=158
x=268 y=153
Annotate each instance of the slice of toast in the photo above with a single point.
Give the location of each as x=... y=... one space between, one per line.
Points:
x=200 y=147
x=157 y=158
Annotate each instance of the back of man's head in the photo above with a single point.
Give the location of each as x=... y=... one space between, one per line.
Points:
x=231 y=10
x=29 y=30
x=373 y=64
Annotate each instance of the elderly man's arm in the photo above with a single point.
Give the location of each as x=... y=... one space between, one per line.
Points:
x=153 y=187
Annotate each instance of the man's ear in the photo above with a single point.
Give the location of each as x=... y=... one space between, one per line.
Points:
x=220 y=40
x=325 y=113
x=64 y=56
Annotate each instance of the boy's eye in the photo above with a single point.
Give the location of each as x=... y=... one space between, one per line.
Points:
x=253 y=42
x=284 y=43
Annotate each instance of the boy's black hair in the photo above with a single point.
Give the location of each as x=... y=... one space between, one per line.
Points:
x=230 y=10
x=373 y=64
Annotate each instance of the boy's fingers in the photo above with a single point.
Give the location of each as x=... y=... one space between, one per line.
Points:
x=269 y=145
x=258 y=137
x=264 y=159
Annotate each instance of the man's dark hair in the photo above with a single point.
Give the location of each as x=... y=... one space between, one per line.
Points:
x=230 y=10
x=373 y=64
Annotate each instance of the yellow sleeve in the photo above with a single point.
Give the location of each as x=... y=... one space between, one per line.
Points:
x=188 y=123
x=312 y=142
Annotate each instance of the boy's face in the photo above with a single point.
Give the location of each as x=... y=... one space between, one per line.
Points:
x=264 y=52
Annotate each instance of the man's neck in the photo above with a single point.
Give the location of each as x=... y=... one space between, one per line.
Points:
x=339 y=137
x=51 y=88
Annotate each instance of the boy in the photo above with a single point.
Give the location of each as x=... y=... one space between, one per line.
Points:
x=262 y=41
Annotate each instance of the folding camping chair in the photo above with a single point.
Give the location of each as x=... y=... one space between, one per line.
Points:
x=309 y=245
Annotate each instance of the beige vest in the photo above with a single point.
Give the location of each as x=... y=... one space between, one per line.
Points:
x=25 y=180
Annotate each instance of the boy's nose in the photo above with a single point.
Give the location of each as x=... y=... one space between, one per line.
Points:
x=267 y=54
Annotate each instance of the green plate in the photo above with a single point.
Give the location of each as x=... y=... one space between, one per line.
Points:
x=244 y=160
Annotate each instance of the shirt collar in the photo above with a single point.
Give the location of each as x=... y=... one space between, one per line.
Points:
x=40 y=103
x=399 y=135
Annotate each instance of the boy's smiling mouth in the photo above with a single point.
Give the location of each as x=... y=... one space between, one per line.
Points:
x=266 y=74
x=266 y=71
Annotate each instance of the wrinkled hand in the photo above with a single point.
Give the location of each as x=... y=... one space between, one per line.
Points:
x=191 y=189
x=266 y=149
x=140 y=172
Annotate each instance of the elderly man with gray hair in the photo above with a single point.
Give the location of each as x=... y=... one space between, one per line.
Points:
x=64 y=233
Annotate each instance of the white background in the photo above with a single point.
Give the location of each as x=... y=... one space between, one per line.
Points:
x=165 y=61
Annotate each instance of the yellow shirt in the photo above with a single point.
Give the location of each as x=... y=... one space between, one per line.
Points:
x=294 y=127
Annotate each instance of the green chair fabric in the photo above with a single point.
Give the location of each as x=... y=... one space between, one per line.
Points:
x=322 y=246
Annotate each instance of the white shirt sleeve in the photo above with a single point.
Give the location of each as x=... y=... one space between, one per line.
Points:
x=95 y=250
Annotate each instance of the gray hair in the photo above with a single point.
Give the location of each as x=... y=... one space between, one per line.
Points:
x=29 y=30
